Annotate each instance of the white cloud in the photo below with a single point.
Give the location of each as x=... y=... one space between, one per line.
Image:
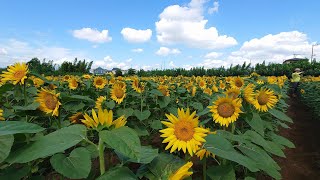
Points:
x=138 y=50
x=92 y=35
x=171 y=64
x=136 y=36
x=215 y=8
x=213 y=55
x=186 y=25
x=3 y=52
x=108 y=63
x=17 y=51
x=274 y=48
x=164 y=51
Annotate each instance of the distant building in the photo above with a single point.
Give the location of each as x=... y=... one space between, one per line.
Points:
x=99 y=71
x=293 y=60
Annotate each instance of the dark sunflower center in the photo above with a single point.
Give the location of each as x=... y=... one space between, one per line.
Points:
x=119 y=93
x=19 y=74
x=184 y=130
x=51 y=102
x=226 y=110
x=238 y=83
x=263 y=98
x=99 y=82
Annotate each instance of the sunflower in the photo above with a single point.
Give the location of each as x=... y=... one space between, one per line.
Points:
x=76 y=118
x=214 y=88
x=1 y=115
x=121 y=84
x=265 y=99
x=249 y=93
x=237 y=82
x=164 y=90
x=37 y=82
x=202 y=84
x=118 y=93
x=225 y=110
x=233 y=93
x=86 y=76
x=272 y=79
x=16 y=73
x=73 y=83
x=103 y=119
x=207 y=91
x=137 y=86
x=99 y=101
x=222 y=85
x=183 y=132
x=302 y=91
x=66 y=78
x=182 y=172
x=99 y=82
x=193 y=92
x=49 y=102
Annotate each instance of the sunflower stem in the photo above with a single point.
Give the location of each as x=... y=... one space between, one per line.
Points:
x=25 y=94
x=204 y=169
x=101 y=157
x=141 y=102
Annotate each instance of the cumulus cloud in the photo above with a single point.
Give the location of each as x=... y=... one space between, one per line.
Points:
x=136 y=35
x=213 y=55
x=92 y=35
x=164 y=51
x=17 y=51
x=274 y=48
x=137 y=50
x=215 y=8
x=108 y=63
x=186 y=25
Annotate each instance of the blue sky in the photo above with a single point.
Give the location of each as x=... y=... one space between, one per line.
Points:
x=159 y=33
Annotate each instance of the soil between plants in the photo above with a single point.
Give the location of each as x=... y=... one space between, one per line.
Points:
x=302 y=162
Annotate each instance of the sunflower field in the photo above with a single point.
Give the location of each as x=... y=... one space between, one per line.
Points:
x=310 y=93
x=160 y=127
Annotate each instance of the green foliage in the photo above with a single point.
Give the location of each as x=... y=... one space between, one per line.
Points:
x=272 y=69
x=50 y=144
x=77 y=165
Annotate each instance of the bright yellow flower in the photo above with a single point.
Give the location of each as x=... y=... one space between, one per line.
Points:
x=222 y=85
x=182 y=172
x=66 y=78
x=86 y=76
x=118 y=93
x=137 y=86
x=202 y=84
x=302 y=91
x=249 y=93
x=207 y=91
x=237 y=82
x=1 y=115
x=265 y=99
x=214 y=88
x=225 y=110
x=233 y=92
x=76 y=118
x=164 y=90
x=16 y=73
x=49 y=102
x=104 y=118
x=99 y=82
x=183 y=132
x=37 y=82
x=73 y=83
x=99 y=101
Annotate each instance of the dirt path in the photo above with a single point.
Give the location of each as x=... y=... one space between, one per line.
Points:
x=302 y=162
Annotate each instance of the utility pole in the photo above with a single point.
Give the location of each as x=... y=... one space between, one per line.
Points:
x=313 y=45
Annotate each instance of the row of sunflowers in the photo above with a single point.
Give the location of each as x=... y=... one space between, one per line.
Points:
x=310 y=93
x=103 y=127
